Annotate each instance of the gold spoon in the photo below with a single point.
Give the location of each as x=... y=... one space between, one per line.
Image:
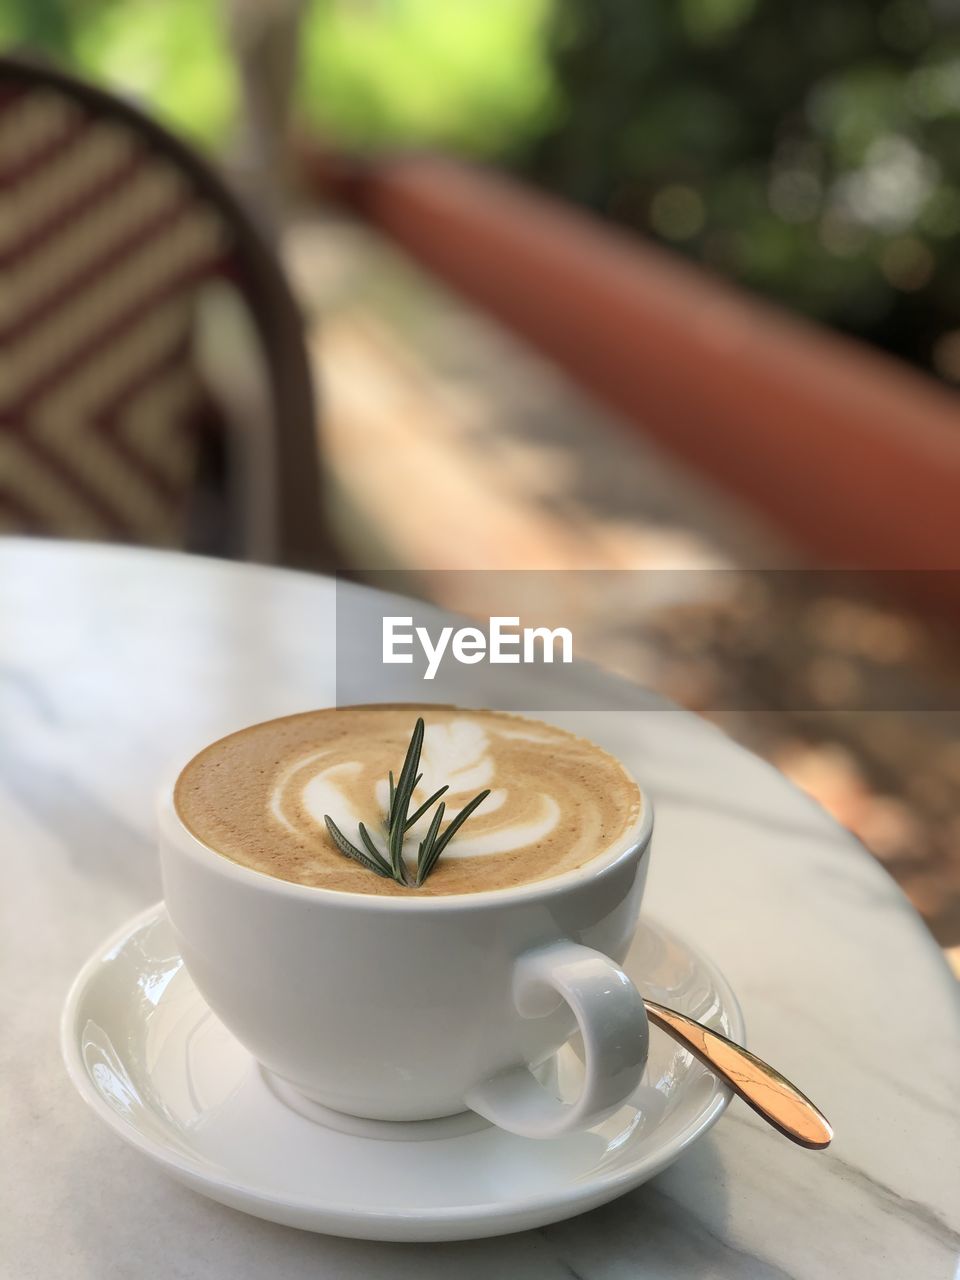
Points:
x=759 y=1085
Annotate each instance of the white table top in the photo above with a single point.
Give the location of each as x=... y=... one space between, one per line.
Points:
x=114 y=664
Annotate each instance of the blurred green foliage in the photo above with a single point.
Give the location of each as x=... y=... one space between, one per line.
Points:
x=809 y=149
x=473 y=77
x=170 y=55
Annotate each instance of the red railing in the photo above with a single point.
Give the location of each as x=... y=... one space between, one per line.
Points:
x=854 y=455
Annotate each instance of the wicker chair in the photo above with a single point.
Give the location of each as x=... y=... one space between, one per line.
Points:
x=114 y=235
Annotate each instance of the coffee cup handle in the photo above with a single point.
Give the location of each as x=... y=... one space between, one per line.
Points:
x=612 y=1021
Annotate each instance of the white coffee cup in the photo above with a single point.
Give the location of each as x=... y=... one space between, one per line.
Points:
x=412 y=1008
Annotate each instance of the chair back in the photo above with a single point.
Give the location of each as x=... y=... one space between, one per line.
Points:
x=111 y=233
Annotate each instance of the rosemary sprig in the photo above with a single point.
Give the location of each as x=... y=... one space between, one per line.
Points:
x=399 y=821
x=343 y=844
x=433 y=844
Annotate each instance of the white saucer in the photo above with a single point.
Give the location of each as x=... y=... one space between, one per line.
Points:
x=152 y=1060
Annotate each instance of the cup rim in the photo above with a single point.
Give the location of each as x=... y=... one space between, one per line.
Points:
x=173 y=829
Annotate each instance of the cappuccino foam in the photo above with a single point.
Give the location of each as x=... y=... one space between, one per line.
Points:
x=259 y=796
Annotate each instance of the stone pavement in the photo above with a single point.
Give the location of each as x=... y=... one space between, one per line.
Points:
x=451 y=446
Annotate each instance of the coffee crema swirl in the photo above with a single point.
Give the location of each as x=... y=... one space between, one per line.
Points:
x=259 y=796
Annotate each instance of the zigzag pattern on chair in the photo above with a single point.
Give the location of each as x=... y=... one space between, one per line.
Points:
x=103 y=246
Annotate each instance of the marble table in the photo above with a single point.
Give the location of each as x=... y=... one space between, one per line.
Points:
x=114 y=664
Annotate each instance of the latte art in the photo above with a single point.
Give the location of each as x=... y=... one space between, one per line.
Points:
x=260 y=796
x=461 y=752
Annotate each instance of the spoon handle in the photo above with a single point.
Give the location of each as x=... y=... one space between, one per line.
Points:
x=759 y=1085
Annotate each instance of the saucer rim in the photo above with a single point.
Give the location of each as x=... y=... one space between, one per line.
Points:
x=339 y=1218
